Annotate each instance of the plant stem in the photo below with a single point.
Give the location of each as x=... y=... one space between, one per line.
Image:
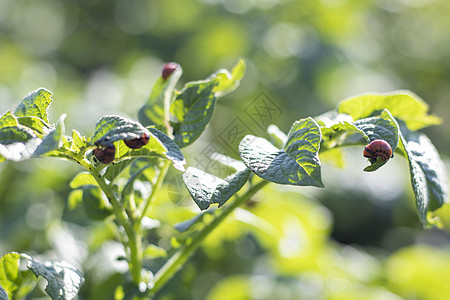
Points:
x=155 y=190
x=169 y=269
x=134 y=242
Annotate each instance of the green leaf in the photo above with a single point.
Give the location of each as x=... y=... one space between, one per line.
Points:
x=382 y=127
x=173 y=152
x=277 y=137
x=115 y=170
x=193 y=109
x=35 y=105
x=17 y=143
x=297 y=164
x=64 y=280
x=228 y=81
x=338 y=131
x=9 y=272
x=152 y=112
x=75 y=198
x=153 y=252
x=207 y=189
x=403 y=105
x=53 y=140
x=81 y=179
x=110 y=129
x=428 y=174
x=78 y=142
x=3 y=294
x=95 y=203
x=39 y=126
x=8 y=120
x=129 y=187
x=15 y=283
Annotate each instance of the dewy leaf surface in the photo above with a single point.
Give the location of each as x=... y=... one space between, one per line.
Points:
x=297 y=164
x=152 y=112
x=428 y=175
x=403 y=105
x=193 y=109
x=35 y=104
x=64 y=280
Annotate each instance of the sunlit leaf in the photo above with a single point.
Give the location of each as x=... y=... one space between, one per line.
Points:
x=17 y=143
x=52 y=141
x=35 y=104
x=64 y=280
x=8 y=120
x=403 y=105
x=193 y=109
x=14 y=282
x=81 y=179
x=152 y=113
x=228 y=81
x=39 y=126
x=153 y=251
x=9 y=272
x=296 y=164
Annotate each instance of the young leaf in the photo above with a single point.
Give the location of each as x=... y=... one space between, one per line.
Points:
x=428 y=175
x=207 y=189
x=193 y=109
x=8 y=120
x=35 y=104
x=52 y=141
x=403 y=105
x=152 y=113
x=64 y=280
x=297 y=164
x=228 y=81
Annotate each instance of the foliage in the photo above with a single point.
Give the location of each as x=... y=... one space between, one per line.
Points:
x=120 y=183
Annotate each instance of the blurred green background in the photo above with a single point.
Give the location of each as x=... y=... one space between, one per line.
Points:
x=359 y=238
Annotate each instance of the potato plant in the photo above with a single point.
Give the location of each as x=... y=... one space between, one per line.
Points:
x=124 y=164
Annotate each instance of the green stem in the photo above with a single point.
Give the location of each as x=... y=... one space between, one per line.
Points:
x=184 y=252
x=155 y=190
x=134 y=242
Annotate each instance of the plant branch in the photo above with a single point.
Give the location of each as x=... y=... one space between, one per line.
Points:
x=169 y=269
x=155 y=190
x=134 y=238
